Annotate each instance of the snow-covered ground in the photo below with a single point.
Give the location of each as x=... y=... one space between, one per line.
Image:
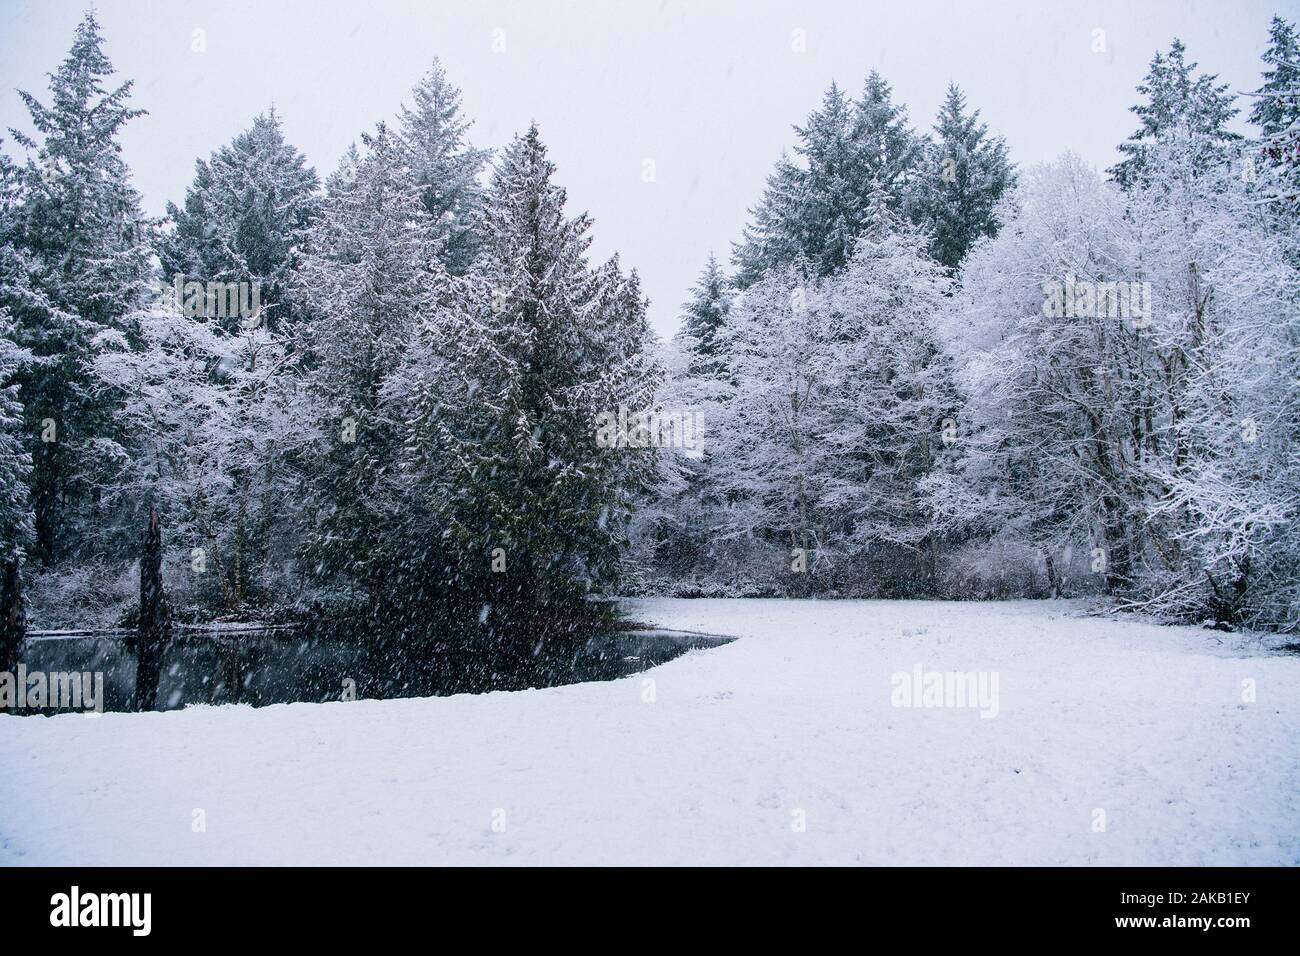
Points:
x=782 y=747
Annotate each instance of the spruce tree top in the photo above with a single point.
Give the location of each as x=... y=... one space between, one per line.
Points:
x=444 y=164
x=246 y=212
x=707 y=310
x=80 y=217
x=1177 y=104
x=1278 y=105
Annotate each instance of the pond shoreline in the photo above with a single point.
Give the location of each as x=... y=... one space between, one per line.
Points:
x=302 y=664
x=550 y=624
x=217 y=627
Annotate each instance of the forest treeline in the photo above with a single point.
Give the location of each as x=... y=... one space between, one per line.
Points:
x=924 y=372
x=930 y=374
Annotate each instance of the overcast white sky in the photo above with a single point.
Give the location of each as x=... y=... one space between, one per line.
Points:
x=708 y=90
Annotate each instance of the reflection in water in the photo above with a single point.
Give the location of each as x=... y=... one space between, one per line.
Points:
x=275 y=667
x=148 y=668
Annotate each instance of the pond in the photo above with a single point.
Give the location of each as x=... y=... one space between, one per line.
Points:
x=277 y=667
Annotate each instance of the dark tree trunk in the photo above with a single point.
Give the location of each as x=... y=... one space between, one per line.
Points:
x=153 y=600
x=13 y=618
x=1053 y=581
x=153 y=616
x=153 y=610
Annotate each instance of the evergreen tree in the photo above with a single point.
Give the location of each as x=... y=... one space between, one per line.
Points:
x=1177 y=104
x=244 y=218
x=967 y=172
x=445 y=166
x=771 y=237
x=857 y=156
x=80 y=226
x=541 y=346
x=369 y=270
x=890 y=155
x=1277 y=112
x=706 y=313
x=15 y=459
x=809 y=210
x=831 y=209
x=1277 y=108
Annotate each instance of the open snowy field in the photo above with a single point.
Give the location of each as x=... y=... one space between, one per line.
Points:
x=1106 y=743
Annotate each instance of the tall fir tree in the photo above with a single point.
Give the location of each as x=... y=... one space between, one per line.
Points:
x=15 y=458
x=1277 y=113
x=857 y=157
x=81 y=228
x=445 y=165
x=1177 y=104
x=890 y=154
x=706 y=312
x=1277 y=109
x=369 y=270
x=967 y=173
x=544 y=344
x=831 y=207
x=203 y=393
x=244 y=218
x=771 y=237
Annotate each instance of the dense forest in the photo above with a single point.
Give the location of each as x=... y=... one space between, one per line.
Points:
x=406 y=393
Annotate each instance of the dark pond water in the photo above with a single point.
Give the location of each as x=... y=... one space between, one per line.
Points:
x=276 y=667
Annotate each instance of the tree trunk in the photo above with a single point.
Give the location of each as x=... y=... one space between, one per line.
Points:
x=1053 y=582
x=13 y=619
x=152 y=626
x=153 y=603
